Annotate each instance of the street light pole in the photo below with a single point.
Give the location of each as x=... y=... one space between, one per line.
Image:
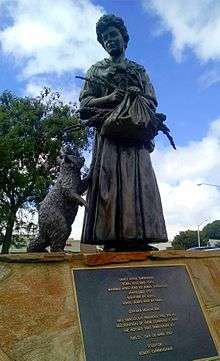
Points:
x=198 y=232
x=198 y=236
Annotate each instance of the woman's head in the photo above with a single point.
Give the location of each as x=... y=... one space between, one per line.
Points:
x=108 y=29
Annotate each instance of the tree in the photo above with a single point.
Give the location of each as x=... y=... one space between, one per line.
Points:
x=31 y=135
x=187 y=239
x=211 y=231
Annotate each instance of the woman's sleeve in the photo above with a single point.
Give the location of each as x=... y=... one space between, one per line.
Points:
x=89 y=89
x=149 y=91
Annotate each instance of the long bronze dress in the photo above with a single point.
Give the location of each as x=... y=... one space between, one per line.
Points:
x=124 y=203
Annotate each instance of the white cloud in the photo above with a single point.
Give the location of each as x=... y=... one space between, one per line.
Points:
x=77 y=225
x=68 y=92
x=193 y=23
x=210 y=77
x=178 y=172
x=50 y=37
x=51 y=41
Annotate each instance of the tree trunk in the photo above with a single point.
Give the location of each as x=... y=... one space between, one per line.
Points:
x=8 y=234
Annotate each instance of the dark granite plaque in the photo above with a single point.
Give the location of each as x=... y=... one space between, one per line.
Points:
x=143 y=313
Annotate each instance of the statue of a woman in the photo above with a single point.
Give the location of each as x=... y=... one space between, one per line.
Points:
x=124 y=207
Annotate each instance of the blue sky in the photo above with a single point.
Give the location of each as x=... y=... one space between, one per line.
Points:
x=47 y=43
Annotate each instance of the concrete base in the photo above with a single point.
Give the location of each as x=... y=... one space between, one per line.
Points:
x=39 y=320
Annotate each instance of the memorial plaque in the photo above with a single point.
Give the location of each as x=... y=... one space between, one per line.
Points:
x=142 y=313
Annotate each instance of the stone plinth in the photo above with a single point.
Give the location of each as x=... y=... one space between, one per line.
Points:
x=39 y=320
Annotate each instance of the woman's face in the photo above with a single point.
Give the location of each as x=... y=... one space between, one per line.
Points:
x=113 y=41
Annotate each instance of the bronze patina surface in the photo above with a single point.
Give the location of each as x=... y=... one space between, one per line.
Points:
x=142 y=313
x=119 y=101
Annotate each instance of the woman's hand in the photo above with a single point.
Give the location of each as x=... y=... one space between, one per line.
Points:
x=116 y=97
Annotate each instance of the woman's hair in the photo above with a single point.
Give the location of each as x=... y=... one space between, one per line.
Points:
x=111 y=20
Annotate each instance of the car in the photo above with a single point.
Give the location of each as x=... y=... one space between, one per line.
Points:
x=204 y=248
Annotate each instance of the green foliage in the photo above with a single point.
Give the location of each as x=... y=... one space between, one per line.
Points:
x=189 y=238
x=211 y=231
x=19 y=241
x=185 y=240
x=31 y=135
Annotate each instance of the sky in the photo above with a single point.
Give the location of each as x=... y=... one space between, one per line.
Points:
x=49 y=42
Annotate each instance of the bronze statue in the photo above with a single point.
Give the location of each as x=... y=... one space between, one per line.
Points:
x=59 y=208
x=124 y=206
